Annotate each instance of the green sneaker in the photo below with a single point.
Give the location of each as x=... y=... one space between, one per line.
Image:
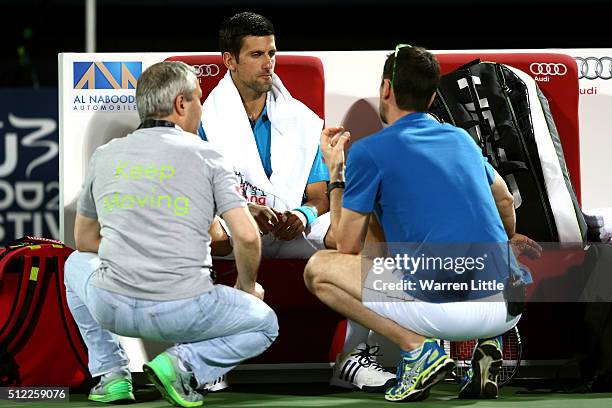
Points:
x=415 y=377
x=174 y=384
x=113 y=387
x=480 y=381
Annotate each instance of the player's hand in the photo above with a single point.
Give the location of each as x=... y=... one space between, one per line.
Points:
x=293 y=224
x=333 y=144
x=265 y=217
x=254 y=289
x=522 y=245
x=258 y=291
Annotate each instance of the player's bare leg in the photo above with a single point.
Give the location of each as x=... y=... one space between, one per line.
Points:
x=336 y=279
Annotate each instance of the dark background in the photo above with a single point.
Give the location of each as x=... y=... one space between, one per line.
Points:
x=32 y=32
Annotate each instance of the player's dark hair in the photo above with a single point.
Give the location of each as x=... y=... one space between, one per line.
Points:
x=417 y=75
x=234 y=29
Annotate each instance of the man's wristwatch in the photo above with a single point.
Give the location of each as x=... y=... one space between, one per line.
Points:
x=335 y=184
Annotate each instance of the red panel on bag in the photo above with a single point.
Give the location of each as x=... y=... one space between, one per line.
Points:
x=46 y=347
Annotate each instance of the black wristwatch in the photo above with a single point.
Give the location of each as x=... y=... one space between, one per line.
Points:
x=335 y=184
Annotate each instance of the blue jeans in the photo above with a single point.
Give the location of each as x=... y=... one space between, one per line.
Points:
x=214 y=331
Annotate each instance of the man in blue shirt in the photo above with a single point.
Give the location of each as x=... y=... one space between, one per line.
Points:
x=433 y=193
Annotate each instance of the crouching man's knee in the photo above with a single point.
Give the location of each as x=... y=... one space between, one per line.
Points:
x=269 y=324
x=272 y=326
x=79 y=263
x=315 y=270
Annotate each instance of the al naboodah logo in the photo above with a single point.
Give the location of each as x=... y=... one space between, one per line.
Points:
x=106 y=75
x=105 y=86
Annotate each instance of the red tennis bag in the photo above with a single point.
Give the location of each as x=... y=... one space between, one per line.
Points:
x=40 y=344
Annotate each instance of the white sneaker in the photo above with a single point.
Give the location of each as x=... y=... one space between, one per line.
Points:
x=217 y=385
x=359 y=369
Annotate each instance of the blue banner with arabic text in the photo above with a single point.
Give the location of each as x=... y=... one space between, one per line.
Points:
x=29 y=164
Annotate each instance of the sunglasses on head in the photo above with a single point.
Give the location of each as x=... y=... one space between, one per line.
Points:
x=397 y=49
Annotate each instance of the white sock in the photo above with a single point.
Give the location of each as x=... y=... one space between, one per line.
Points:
x=182 y=365
x=123 y=371
x=412 y=354
x=355 y=335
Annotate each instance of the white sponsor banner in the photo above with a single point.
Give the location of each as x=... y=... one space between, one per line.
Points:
x=97 y=104
x=595 y=81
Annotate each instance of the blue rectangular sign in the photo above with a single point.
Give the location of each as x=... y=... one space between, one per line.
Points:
x=29 y=164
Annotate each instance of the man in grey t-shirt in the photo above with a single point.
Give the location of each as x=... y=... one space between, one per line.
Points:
x=142 y=268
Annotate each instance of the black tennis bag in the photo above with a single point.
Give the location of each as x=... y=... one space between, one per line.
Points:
x=507 y=115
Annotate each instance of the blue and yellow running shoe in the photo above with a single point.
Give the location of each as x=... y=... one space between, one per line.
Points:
x=176 y=385
x=113 y=387
x=416 y=376
x=480 y=381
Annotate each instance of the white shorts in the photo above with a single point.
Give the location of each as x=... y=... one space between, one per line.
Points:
x=302 y=247
x=456 y=321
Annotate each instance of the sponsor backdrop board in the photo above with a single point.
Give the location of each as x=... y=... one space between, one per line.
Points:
x=29 y=189
x=97 y=104
x=595 y=79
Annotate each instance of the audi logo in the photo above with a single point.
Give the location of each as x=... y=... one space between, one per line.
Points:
x=207 y=70
x=541 y=68
x=594 y=67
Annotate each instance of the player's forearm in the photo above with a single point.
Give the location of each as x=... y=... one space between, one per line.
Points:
x=508 y=215
x=335 y=201
x=320 y=203
x=91 y=244
x=335 y=209
x=87 y=234
x=316 y=197
x=248 y=256
x=504 y=201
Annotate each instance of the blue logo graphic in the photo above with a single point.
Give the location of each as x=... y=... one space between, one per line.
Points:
x=106 y=75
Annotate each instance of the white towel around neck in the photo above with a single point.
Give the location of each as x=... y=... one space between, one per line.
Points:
x=295 y=138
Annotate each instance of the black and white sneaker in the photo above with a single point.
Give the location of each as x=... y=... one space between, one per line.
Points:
x=217 y=385
x=480 y=380
x=359 y=369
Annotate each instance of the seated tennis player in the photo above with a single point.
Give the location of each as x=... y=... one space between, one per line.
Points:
x=271 y=140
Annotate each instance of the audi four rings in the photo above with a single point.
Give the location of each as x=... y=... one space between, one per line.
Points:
x=541 y=68
x=588 y=68
x=207 y=70
x=594 y=67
